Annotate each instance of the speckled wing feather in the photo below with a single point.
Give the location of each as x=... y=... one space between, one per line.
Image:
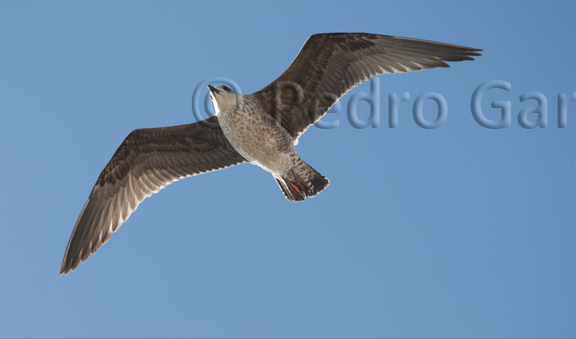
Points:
x=147 y=161
x=329 y=65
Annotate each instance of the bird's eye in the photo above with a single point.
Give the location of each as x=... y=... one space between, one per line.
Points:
x=227 y=89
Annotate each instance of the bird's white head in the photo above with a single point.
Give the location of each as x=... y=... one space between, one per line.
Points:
x=224 y=98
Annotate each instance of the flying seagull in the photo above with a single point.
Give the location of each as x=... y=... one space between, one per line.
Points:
x=261 y=128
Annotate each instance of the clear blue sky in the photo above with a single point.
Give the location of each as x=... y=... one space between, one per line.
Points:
x=458 y=231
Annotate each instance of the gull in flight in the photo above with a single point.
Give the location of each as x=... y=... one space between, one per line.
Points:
x=261 y=128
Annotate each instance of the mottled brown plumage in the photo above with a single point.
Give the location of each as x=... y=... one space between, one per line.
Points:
x=147 y=161
x=327 y=67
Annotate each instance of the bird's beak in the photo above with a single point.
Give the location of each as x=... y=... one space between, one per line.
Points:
x=213 y=90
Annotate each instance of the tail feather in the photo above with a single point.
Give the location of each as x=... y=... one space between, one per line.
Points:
x=301 y=181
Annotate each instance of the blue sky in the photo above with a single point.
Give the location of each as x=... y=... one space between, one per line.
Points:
x=457 y=231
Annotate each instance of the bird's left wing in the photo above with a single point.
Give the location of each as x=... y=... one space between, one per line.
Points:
x=147 y=161
x=329 y=65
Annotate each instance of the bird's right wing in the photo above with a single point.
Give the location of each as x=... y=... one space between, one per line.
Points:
x=147 y=161
x=329 y=65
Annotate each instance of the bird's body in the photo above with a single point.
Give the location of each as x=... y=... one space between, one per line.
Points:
x=262 y=141
x=259 y=138
x=261 y=128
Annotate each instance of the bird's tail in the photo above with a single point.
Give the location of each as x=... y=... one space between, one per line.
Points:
x=301 y=181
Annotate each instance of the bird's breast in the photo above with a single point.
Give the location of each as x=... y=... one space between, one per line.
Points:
x=257 y=137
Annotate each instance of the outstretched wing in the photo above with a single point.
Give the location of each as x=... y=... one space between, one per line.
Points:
x=147 y=161
x=329 y=65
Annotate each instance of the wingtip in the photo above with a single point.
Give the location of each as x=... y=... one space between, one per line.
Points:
x=68 y=266
x=474 y=52
x=64 y=270
x=63 y=267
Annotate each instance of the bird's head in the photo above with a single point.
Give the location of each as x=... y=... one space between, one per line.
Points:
x=223 y=98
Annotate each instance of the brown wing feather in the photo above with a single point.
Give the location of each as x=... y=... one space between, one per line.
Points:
x=147 y=161
x=329 y=65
